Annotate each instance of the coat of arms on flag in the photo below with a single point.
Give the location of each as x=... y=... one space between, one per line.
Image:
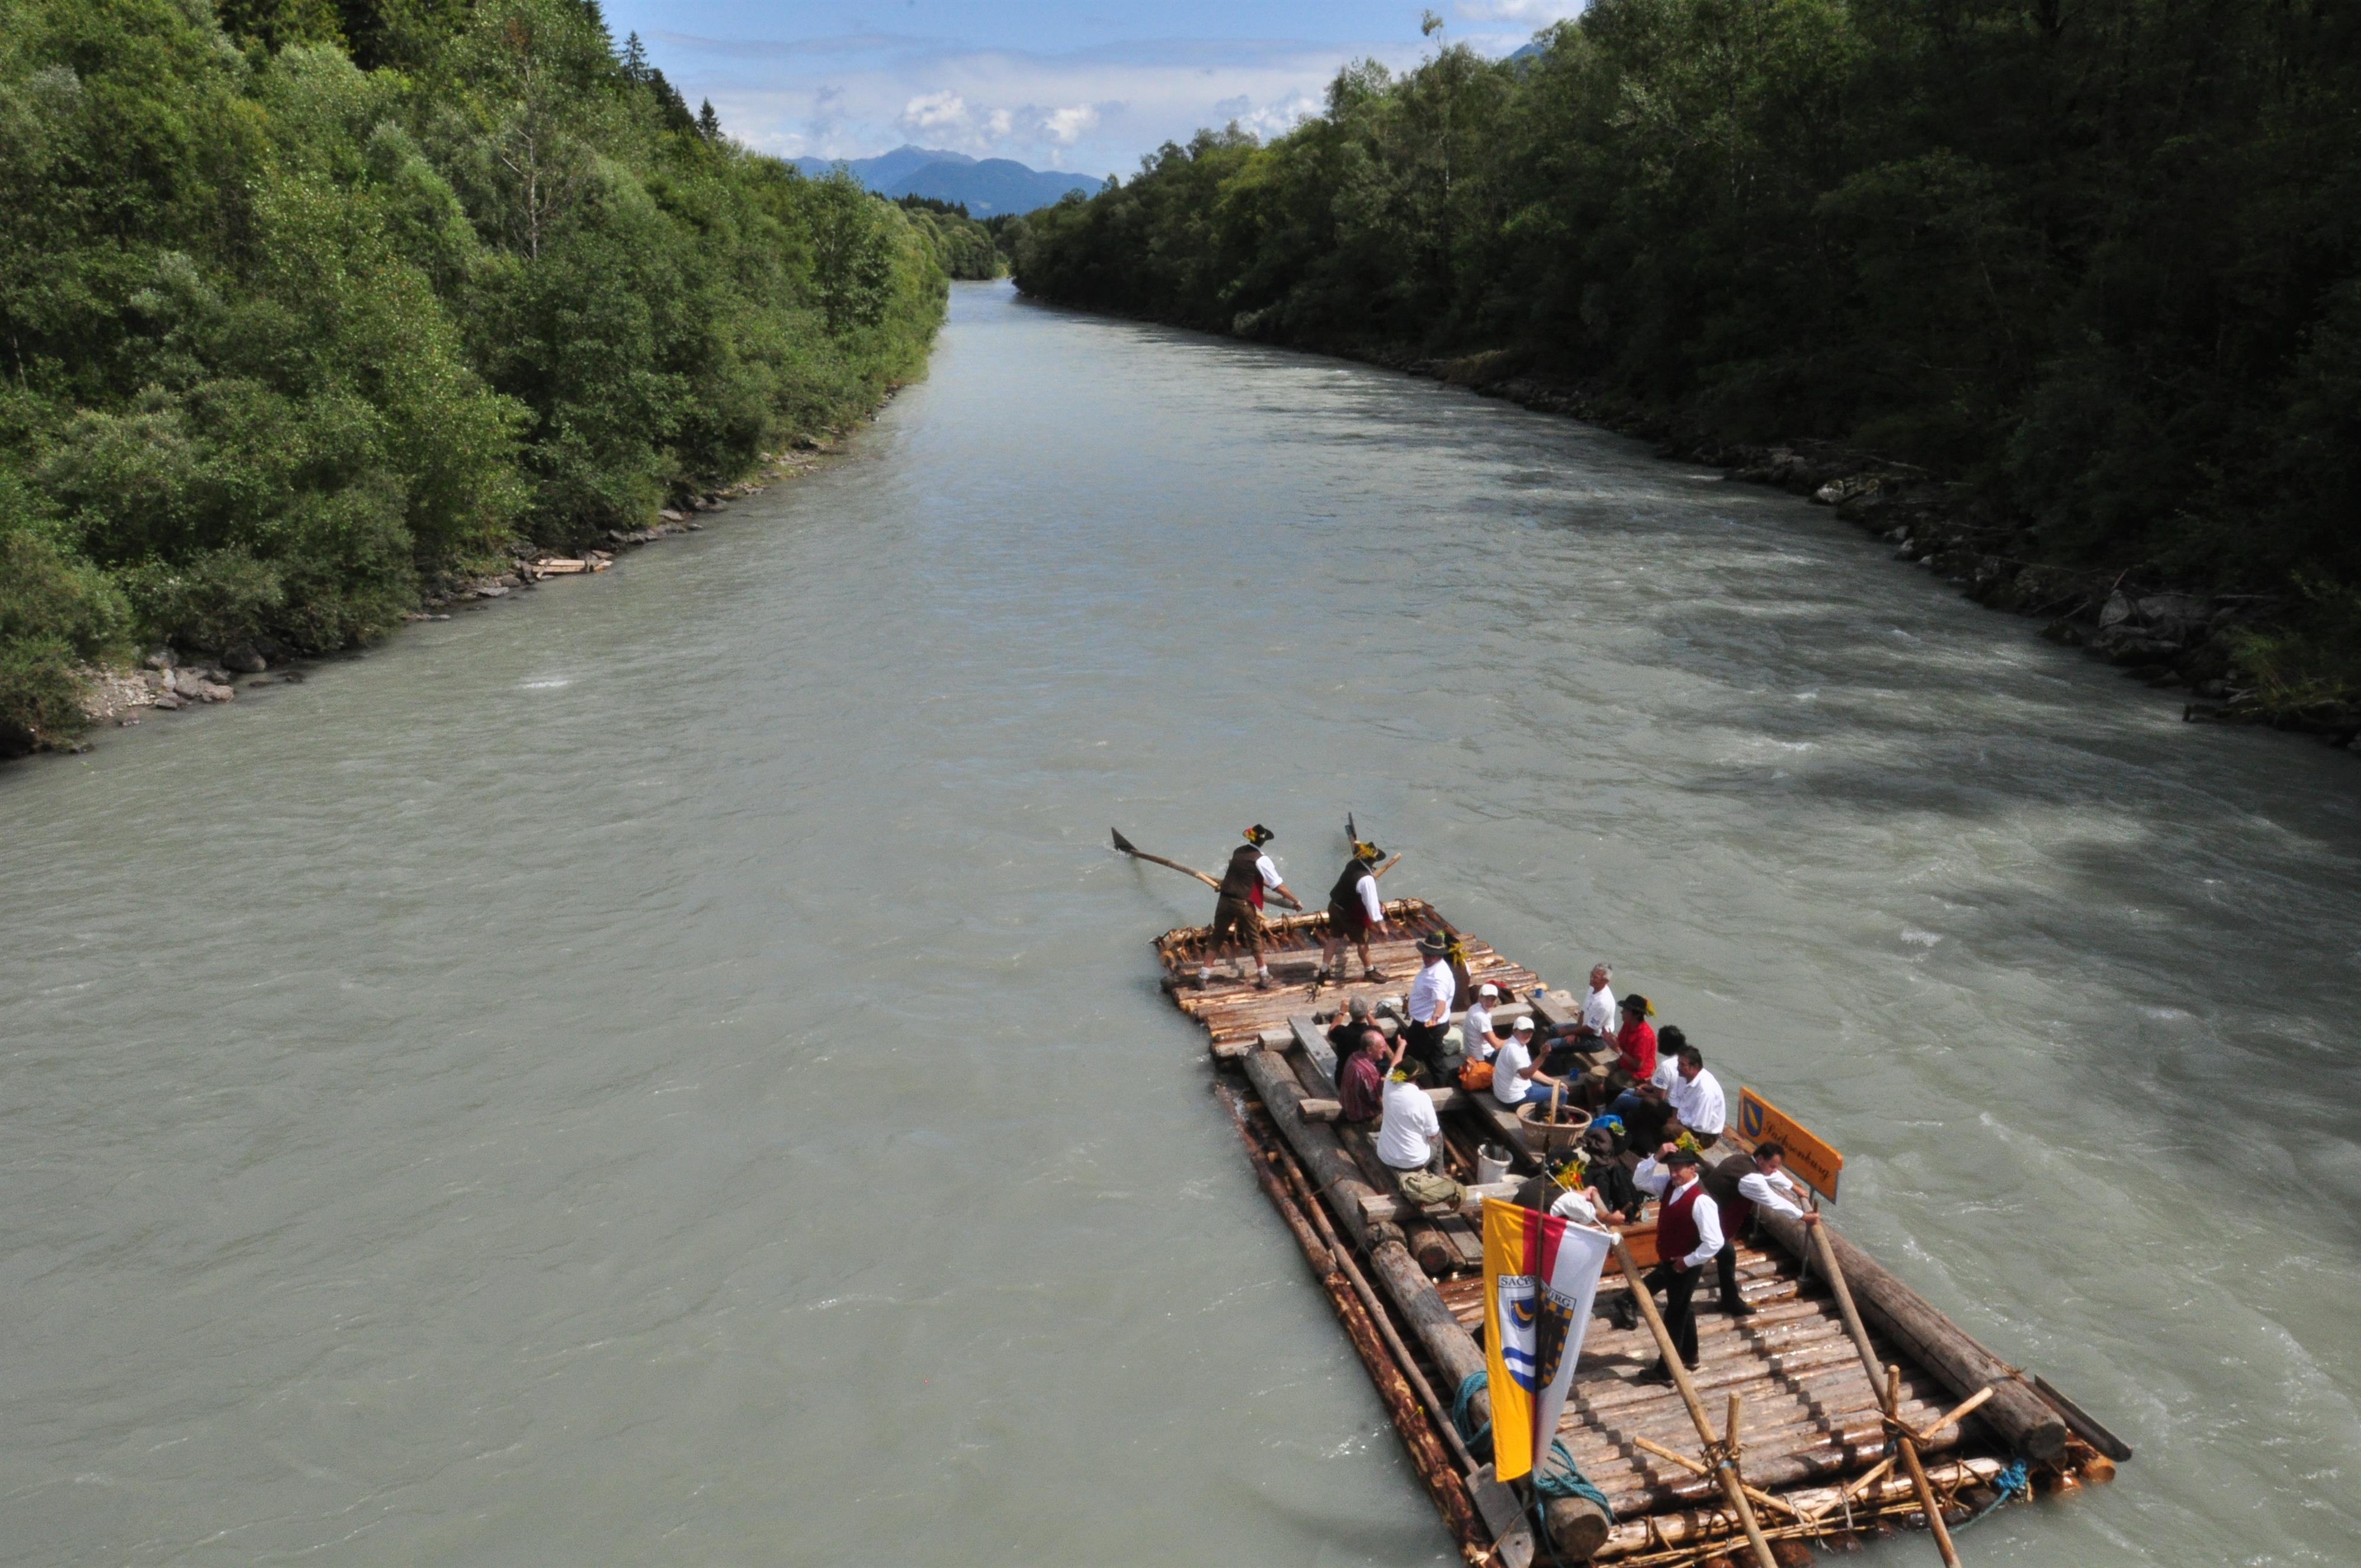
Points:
x=1540 y=1273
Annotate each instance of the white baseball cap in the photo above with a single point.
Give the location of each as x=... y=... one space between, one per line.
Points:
x=1488 y=989
x=1523 y=1026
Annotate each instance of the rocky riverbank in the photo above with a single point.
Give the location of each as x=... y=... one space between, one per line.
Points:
x=179 y=680
x=2171 y=635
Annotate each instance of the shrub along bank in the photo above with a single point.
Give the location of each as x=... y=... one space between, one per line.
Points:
x=2087 y=279
x=307 y=308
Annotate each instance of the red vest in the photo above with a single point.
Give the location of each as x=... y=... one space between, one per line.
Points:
x=1676 y=1232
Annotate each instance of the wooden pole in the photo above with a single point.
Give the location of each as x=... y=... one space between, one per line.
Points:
x=1136 y=853
x=2017 y=1411
x=1888 y=1378
x=1732 y=1486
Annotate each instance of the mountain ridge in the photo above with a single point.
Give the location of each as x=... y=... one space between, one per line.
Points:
x=986 y=187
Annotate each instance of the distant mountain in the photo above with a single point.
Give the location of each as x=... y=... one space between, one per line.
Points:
x=986 y=186
x=887 y=168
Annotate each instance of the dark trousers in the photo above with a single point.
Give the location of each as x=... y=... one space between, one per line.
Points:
x=1423 y=1042
x=1725 y=1265
x=1680 y=1317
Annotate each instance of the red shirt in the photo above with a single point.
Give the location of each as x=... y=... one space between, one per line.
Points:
x=1362 y=1092
x=1635 y=1049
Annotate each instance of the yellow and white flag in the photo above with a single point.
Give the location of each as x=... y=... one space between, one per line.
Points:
x=1540 y=1273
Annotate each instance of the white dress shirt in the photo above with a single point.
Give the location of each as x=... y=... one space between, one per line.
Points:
x=1430 y=992
x=1368 y=888
x=1706 y=1213
x=1698 y=1102
x=1408 y=1123
x=1774 y=1192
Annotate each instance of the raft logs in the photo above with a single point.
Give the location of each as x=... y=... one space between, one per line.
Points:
x=1576 y=1526
x=2017 y=1412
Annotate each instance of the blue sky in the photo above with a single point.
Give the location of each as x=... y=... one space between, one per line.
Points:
x=1056 y=83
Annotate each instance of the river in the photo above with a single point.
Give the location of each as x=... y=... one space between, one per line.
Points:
x=669 y=1070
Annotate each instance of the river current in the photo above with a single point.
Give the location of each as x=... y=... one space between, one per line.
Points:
x=667 y=1068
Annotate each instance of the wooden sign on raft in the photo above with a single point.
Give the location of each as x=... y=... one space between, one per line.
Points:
x=1814 y=1163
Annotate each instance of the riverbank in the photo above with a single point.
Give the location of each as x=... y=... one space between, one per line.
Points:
x=171 y=680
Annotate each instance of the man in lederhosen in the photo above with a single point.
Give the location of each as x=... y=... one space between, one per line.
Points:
x=1354 y=911
x=1237 y=913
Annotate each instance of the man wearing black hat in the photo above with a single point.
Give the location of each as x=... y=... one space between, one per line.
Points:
x=1431 y=996
x=1689 y=1234
x=1237 y=913
x=1354 y=911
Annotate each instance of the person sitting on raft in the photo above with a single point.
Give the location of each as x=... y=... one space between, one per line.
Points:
x=1476 y=1024
x=1361 y=1080
x=1410 y=1134
x=1635 y=1049
x=1682 y=1092
x=1517 y=1078
x=1354 y=911
x=1344 y=1029
x=1593 y=1029
x=1237 y=912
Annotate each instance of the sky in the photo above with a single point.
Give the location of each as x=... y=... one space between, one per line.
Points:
x=1087 y=85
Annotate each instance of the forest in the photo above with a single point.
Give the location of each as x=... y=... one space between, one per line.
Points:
x=2097 y=262
x=308 y=305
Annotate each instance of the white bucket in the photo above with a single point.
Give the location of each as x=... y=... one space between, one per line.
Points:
x=1491 y=1164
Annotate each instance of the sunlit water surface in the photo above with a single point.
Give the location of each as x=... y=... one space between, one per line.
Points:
x=668 y=1071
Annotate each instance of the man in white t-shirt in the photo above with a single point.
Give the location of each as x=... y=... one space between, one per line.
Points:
x=1410 y=1134
x=1517 y=1080
x=1476 y=1024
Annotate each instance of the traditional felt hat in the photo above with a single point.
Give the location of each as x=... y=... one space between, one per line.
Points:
x=1434 y=944
x=1635 y=1002
x=1680 y=1157
x=1259 y=835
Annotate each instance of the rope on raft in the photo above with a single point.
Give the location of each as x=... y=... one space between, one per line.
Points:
x=2010 y=1483
x=1560 y=1477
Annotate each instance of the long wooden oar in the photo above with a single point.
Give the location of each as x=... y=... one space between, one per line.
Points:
x=1136 y=853
x=1886 y=1380
x=1732 y=1488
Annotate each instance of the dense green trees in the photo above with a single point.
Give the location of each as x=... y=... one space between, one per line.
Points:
x=2102 y=259
x=965 y=245
x=285 y=337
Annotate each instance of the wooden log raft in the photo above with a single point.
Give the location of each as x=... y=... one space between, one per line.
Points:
x=1577 y=1527
x=2017 y=1410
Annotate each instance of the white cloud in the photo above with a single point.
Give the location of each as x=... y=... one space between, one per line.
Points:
x=1093 y=110
x=1065 y=126
x=1535 y=14
x=934 y=111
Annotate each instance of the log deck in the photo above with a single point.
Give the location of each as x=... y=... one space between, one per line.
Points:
x=1814 y=1435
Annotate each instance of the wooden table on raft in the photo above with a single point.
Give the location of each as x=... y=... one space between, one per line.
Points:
x=1814 y=1454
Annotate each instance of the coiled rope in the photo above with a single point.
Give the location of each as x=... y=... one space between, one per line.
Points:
x=1557 y=1477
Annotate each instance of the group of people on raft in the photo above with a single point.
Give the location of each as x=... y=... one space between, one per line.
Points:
x=1655 y=1094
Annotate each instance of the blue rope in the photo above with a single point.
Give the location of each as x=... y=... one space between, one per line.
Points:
x=1558 y=1477
x=2009 y=1483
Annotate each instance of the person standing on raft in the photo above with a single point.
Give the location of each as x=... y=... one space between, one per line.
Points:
x=1237 y=913
x=1354 y=911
